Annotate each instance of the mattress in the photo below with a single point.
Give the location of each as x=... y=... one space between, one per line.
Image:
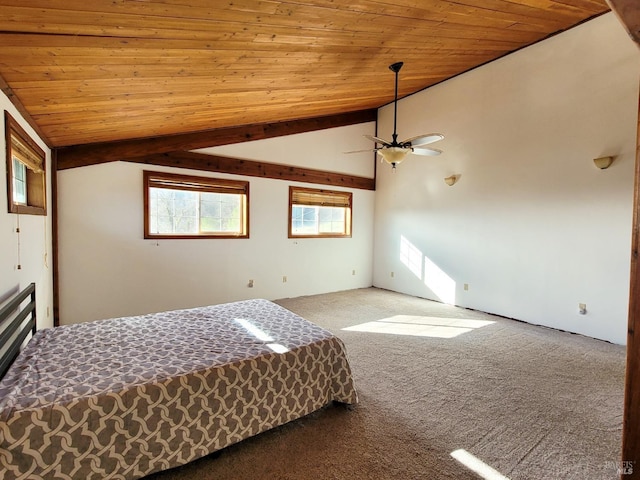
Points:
x=122 y=398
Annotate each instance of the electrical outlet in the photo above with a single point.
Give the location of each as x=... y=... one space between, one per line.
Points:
x=582 y=308
x=353 y=272
x=392 y=274
x=284 y=279
x=250 y=284
x=466 y=287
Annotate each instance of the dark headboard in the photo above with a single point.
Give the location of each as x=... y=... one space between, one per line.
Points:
x=13 y=328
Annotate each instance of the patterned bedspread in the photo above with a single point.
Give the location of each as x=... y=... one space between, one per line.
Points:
x=122 y=398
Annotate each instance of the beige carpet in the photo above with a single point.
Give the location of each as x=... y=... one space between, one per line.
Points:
x=528 y=402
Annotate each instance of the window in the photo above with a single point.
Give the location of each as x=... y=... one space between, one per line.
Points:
x=181 y=206
x=25 y=171
x=319 y=213
x=19 y=182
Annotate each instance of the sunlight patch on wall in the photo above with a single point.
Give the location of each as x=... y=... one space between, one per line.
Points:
x=476 y=465
x=419 y=326
x=411 y=257
x=439 y=282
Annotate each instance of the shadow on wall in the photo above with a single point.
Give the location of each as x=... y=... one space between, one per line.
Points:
x=8 y=294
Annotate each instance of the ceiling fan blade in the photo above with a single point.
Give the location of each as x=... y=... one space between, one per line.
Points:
x=378 y=140
x=431 y=152
x=423 y=139
x=360 y=151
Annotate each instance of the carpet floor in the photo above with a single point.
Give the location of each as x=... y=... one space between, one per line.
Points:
x=444 y=392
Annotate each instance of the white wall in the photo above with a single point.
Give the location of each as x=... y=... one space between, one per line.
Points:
x=322 y=150
x=532 y=227
x=107 y=269
x=31 y=248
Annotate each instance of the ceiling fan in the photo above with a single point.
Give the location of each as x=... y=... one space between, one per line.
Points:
x=394 y=152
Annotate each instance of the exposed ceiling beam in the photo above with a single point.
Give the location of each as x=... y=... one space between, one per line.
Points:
x=95 y=153
x=238 y=166
x=628 y=11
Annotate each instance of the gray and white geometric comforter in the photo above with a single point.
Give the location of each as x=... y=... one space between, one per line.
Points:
x=122 y=398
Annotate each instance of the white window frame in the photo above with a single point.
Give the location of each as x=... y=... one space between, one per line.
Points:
x=20 y=190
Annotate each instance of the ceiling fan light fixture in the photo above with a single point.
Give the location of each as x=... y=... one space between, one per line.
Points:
x=394 y=155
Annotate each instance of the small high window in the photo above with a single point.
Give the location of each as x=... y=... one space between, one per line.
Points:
x=319 y=213
x=26 y=178
x=182 y=206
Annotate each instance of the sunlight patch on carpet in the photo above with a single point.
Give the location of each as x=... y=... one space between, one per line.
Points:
x=476 y=465
x=419 y=326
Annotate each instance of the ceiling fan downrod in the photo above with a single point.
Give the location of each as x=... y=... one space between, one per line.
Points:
x=395 y=68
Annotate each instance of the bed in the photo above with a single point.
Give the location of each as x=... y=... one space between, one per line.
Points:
x=123 y=398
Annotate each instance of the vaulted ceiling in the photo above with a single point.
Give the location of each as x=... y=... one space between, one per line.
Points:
x=87 y=71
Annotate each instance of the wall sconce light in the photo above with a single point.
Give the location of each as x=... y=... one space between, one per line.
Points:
x=451 y=180
x=603 y=162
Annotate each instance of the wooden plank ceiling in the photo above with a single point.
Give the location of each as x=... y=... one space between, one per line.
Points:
x=88 y=71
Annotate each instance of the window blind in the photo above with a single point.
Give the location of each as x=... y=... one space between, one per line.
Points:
x=25 y=154
x=196 y=184
x=322 y=198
